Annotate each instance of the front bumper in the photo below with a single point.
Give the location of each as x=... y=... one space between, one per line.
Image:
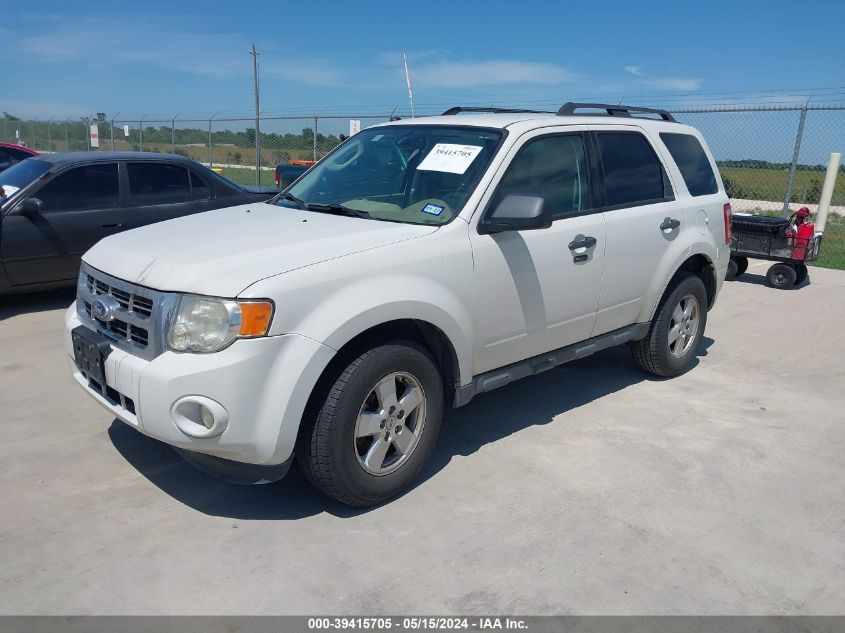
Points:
x=262 y=384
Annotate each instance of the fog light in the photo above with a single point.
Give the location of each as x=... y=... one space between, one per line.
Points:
x=199 y=416
x=207 y=416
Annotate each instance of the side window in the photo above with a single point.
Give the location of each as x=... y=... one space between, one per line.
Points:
x=7 y=159
x=693 y=163
x=633 y=174
x=89 y=187
x=157 y=183
x=554 y=167
x=199 y=188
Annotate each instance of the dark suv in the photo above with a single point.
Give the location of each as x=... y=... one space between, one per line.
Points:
x=55 y=207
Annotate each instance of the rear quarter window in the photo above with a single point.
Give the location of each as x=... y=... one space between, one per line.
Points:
x=695 y=168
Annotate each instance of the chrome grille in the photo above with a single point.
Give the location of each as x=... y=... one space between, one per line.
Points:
x=138 y=322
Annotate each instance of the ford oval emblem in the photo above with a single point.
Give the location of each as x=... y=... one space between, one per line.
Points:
x=103 y=308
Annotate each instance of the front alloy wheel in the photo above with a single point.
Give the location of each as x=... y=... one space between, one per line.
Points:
x=373 y=424
x=390 y=423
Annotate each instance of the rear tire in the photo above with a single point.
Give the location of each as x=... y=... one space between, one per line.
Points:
x=803 y=273
x=677 y=327
x=781 y=276
x=733 y=270
x=376 y=427
x=741 y=265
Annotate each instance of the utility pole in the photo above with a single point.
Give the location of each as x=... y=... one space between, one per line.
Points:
x=255 y=55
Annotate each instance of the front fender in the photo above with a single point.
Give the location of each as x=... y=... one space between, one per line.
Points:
x=407 y=297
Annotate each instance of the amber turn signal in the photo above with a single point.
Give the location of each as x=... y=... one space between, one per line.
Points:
x=255 y=317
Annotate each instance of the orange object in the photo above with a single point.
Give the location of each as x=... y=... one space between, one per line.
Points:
x=304 y=163
x=255 y=318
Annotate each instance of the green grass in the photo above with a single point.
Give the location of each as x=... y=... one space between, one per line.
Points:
x=770 y=184
x=247 y=176
x=832 y=253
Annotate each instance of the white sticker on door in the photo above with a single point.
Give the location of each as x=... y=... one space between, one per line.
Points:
x=451 y=158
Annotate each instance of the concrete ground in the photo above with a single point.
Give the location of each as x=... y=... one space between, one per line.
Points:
x=590 y=489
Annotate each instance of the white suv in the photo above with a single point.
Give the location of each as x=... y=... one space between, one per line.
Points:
x=419 y=264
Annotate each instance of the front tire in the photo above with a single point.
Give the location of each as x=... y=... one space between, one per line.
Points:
x=676 y=329
x=376 y=427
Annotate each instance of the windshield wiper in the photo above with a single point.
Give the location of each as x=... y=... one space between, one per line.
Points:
x=289 y=196
x=334 y=207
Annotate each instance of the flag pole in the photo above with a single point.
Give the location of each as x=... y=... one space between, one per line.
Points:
x=408 y=81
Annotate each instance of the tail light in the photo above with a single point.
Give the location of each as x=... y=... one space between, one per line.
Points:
x=728 y=222
x=276 y=176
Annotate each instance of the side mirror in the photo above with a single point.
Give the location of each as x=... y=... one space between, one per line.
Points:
x=30 y=206
x=517 y=212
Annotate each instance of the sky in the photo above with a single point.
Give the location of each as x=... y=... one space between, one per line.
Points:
x=68 y=58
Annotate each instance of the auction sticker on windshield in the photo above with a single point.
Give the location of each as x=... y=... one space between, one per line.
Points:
x=451 y=158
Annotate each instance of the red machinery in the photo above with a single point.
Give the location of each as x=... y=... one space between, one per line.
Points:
x=801 y=232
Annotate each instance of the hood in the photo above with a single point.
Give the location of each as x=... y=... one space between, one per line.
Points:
x=222 y=252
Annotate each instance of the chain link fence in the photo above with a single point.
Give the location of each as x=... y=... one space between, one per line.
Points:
x=772 y=158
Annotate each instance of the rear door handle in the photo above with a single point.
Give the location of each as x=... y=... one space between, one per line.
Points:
x=116 y=225
x=582 y=242
x=670 y=224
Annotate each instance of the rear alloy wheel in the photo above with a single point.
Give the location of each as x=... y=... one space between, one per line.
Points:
x=781 y=276
x=676 y=329
x=376 y=426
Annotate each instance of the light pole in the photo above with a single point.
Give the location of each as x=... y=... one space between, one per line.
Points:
x=255 y=55
x=141 y=130
x=210 y=152
x=112 y=129
x=173 y=134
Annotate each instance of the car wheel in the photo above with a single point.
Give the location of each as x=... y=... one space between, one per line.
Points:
x=676 y=329
x=781 y=276
x=741 y=265
x=802 y=274
x=376 y=427
x=733 y=267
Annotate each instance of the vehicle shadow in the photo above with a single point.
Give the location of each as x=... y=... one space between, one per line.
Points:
x=15 y=305
x=488 y=418
x=760 y=280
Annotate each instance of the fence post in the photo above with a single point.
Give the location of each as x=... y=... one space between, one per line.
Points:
x=173 y=135
x=87 y=132
x=141 y=133
x=790 y=183
x=67 y=137
x=34 y=140
x=315 y=137
x=49 y=135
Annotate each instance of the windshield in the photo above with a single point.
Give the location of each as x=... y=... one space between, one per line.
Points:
x=20 y=175
x=420 y=174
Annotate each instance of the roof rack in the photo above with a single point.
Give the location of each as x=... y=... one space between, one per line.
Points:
x=568 y=109
x=459 y=109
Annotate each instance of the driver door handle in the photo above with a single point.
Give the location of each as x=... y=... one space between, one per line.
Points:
x=585 y=242
x=115 y=225
x=670 y=224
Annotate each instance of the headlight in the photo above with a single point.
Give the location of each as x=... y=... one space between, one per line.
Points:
x=207 y=324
